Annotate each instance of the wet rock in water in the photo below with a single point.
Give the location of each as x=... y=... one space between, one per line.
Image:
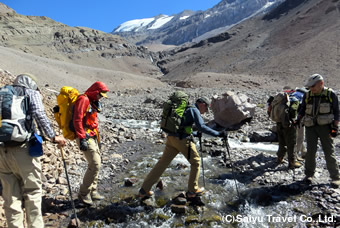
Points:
x=235 y=205
x=150 y=202
x=178 y=209
x=74 y=223
x=191 y=219
x=196 y=201
x=260 y=197
x=160 y=185
x=180 y=201
x=216 y=152
x=263 y=136
x=129 y=182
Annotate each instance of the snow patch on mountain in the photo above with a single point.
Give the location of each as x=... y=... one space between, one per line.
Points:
x=134 y=25
x=160 y=22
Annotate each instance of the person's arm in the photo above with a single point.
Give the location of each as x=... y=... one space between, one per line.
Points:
x=198 y=120
x=335 y=104
x=39 y=115
x=80 y=108
x=302 y=107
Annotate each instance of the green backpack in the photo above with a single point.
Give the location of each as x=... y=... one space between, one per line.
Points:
x=173 y=110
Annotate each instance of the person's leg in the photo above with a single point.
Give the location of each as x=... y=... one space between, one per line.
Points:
x=94 y=162
x=30 y=171
x=328 y=149
x=24 y=183
x=300 y=137
x=169 y=154
x=312 y=145
x=282 y=143
x=195 y=163
x=290 y=139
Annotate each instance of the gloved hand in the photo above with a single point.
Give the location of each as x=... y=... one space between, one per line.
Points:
x=297 y=123
x=334 y=130
x=83 y=145
x=223 y=134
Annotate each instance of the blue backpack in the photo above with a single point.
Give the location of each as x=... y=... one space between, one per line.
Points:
x=15 y=122
x=299 y=94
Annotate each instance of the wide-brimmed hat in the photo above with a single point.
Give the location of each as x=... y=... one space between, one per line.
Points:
x=313 y=79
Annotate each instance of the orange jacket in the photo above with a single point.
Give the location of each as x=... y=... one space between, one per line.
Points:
x=85 y=115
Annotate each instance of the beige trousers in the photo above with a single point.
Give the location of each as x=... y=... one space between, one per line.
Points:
x=300 y=138
x=20 y=176
x=92 y=156
x=173 y=146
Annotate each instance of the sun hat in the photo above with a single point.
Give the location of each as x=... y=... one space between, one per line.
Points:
x=313 y=79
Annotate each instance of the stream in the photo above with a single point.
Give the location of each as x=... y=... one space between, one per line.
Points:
x=228 y=201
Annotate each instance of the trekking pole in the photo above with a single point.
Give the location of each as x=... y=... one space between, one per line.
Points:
x=200 y=139
x=225 y=139
x=69 y=186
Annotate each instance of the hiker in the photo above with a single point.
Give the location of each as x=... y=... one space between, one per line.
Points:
x=283 y=110
x=20 y=173
x=300 y=148
x=85 y=123
x=179 y=142
x=320 y=110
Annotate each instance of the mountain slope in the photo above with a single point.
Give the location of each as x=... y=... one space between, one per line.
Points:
x=299 y=38
x=189 y=26
x=42 y=42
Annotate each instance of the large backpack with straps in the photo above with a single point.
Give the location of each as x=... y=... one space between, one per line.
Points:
x=173 y=110
x=15 y=121
x=279 y=108
x=63 y=112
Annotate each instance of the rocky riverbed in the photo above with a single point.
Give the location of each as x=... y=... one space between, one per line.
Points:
x=264 y=183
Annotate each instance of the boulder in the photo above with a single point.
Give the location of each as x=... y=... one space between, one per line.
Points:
x=232 y=109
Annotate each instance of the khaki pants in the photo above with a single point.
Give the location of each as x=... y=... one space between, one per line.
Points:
x=300 y=147
x=20 y=175
x=287 y=141
x=92 y=156
x=312 y=135
x=173 y=146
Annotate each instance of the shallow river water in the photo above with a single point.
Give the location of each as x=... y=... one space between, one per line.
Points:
x=227 y=202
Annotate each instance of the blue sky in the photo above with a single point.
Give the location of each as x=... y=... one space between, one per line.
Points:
x=104 y=15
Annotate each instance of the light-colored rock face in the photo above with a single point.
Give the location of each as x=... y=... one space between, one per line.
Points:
x=5 y=9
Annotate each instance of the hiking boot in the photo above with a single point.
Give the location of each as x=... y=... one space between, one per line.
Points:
x=196 y=193
x=143 y=193
x=300 y=158
x=96 y=196
x=308 y=179
x=294 y=165
x=279 y=160
x=85 y=199
x=335 y=183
